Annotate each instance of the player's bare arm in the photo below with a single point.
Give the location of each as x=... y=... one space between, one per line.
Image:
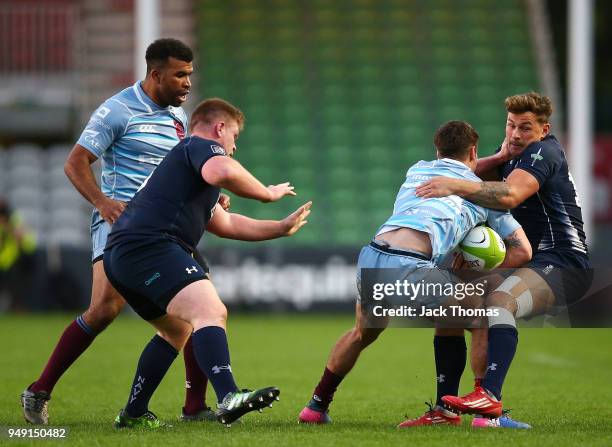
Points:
x=78 y=170
x=518 y=250
x=239 y=227
x=519 y=186
x=227 y=173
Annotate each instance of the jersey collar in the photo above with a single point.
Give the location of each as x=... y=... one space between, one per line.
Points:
x=144 y=98
x=455 y=162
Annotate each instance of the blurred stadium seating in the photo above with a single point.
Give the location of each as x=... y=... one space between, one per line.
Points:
x=341 y=97
x=33 y=180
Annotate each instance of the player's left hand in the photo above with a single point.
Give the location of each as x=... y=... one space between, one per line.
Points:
x=224 y=201
x=436 y=187
x=295 y=220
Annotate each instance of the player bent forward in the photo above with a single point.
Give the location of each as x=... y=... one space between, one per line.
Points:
x=538 y=187
x=147 y=258
x=413 y=242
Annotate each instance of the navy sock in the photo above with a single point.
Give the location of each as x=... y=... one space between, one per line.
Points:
x=501 y=350
x=154 y=362
x=450 y=354
x=212 y=353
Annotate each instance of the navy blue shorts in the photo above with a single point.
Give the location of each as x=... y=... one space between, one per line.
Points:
x=568 y=273
x=148 y=275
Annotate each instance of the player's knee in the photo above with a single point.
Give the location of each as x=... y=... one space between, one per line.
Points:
x=177 y=336
x=100 y=316
x=214 y=316
x=503 y=300
x=365 y=336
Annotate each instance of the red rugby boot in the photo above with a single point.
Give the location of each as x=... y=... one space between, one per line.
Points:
x=478 y=401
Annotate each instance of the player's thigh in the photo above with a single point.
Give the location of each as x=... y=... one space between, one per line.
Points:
x=102 y=291
x=524 y=292
x=106 y=303
x=172 y=329
x=198 y=304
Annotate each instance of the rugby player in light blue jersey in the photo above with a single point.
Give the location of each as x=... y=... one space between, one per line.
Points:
x=416 y=238
x=539 y=190
x=131 y=132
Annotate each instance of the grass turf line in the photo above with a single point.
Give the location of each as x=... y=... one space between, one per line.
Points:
x=559 y=383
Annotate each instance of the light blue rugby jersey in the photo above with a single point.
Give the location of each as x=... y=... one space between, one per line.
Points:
x=132 y=135
x=448 y=219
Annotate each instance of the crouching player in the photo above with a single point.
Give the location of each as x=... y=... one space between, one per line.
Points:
x=416 y=238
x=148 y=259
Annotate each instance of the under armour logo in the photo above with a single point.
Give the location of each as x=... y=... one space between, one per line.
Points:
x=441 y=378
x=191 y=270
x=187 y=384
x=217 y=369
x=492 y=367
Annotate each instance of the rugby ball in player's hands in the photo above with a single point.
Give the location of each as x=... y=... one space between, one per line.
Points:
x=483 y=249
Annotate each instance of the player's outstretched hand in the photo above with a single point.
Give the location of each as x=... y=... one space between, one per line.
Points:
x=296 y=220
x=110 y=210
x=277 y=192
x=436 y=187
x=224 y=201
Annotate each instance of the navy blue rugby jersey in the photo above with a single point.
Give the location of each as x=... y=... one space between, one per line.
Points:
x=174 y=202
x=551 y=218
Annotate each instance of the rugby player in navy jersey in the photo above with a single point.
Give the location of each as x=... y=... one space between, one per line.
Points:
x=130 y=132
x=538 y=188
x=148 y=259
x=414 y=241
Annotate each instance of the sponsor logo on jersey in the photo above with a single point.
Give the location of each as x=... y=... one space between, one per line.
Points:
x=191 y=270
x=537 y=157
x=102 y=112
x=180 y=129
x=217 y=149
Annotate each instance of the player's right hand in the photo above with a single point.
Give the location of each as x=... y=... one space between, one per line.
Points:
x=296 y=220
x=110 y=210
x=277 y=192
x=504 y=151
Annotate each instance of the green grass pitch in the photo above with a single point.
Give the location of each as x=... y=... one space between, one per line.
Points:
x=560 y=383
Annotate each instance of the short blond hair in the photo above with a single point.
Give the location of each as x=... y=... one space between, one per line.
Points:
x=212 y=109
x=539 y=105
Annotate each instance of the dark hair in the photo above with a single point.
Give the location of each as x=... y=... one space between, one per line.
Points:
x=454 y=138
x=540 y=106
x=159 y=51
x=212 y=109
